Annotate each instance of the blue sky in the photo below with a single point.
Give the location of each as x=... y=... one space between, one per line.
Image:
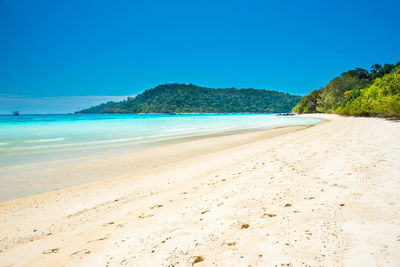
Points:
x=54 y=50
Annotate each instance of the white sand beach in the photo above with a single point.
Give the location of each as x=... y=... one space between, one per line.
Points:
x=326 y=195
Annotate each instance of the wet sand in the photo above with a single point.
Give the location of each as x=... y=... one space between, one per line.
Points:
x=324 y=195
x=63 y=170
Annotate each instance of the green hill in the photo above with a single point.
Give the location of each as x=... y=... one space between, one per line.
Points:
x=182 y=98
x=358 y=92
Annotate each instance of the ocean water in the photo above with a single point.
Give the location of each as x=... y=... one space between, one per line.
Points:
x=35 y=134
x=40 y=153
x=22 y=137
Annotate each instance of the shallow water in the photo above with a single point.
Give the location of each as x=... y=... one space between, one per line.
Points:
x=40 y=153
x=29 y=136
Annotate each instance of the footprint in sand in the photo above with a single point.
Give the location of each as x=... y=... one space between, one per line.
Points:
x=269 y=215
x=50 y=251
x=196 y=259
x=80 y=253
x=100 y=239
x=143 y=216
x=244 y=226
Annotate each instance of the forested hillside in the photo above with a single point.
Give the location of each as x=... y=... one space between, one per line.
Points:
x=358 y=92
x=182 y=98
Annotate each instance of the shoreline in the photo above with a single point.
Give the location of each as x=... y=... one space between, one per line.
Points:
x=324 y=195
x=157 y=154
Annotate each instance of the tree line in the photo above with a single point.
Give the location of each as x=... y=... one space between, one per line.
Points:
x=190 y=98
x=358 y=92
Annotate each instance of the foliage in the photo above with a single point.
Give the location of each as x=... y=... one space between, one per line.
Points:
x=382 y=98
x=182 y=98
x=309 y=103
x=357 y=92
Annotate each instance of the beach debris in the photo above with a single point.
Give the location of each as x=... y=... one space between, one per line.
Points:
x=197 y=259
x=156 y=206
x=231 y=243
x=341 y=204
x=245 y=226
x=205 y=211
x=50 y=251
x=269 y=215
x=288 y=205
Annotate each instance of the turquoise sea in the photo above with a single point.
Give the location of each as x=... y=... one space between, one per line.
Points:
x=28 y=134
x=39 y=134
x=40 y=153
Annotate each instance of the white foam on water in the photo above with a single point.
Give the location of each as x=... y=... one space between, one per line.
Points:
x=179 y=129
x=72 y=133
x=81 y=143
x=46 y=140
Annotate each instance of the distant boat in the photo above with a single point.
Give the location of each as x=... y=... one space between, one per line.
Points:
x=16 y=113
x=172 y=113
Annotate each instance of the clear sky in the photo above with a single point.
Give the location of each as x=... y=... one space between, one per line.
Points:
x=56 y=50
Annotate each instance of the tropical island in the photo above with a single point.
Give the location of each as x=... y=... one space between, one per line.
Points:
x=190 y=98
x=320 y=190
x=358 y=92
x=307 y=175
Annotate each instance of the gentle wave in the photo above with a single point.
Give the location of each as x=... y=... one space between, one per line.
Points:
x=100 y=142
x=81 y=144
x=72 y=133
x=45 y=140
x=115 y=140
x=179 y=129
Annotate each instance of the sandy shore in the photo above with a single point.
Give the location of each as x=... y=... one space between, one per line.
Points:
x=50 y=174
x=326 y=195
